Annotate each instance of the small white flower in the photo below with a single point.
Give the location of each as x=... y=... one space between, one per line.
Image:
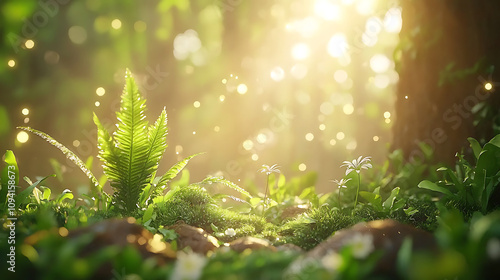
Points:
x=230 y=232
x=269 y=169
x=331 y=261
x=357 y=164
x=189 y=266
x=361 y=245
x=341 y=183
x=493 y=248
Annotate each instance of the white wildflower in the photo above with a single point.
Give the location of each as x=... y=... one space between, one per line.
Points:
x=188 y=266
x=361 y=245
x=357 y=164
x=230 y=232
x=269 y=169
x=332 y=261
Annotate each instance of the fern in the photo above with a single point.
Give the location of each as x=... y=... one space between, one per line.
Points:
x=131 y=156
x=67 y=152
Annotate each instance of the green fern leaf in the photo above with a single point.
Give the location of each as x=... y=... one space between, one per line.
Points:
x=132 y=144
x=108 y=152
x=67 y=152
x=173 y=171
x=220 y=180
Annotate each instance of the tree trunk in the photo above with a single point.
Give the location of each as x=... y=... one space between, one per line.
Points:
x=446 y=57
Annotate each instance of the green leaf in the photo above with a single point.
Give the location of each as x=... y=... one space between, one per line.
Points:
x=389 y=202
x=404 y=260
x=476 y=147
x=66 y=194
x=174 y=170
x=227 y=183
x=10 y=169
x=425 y=184
x=374 y=199
x=148 y=214
x=68 y=153
x=22 y=196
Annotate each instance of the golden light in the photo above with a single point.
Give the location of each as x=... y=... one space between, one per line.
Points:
x=488 y=86
x=387 y=121
x=217 y=128
x=63 y=231
x=306 y=27
x=338 y=46
x=299 y=71
x=387 y=114
x=365 y=7
x=381 y=81
x=261 y=138
x=242 y=89
x=224 y=81
x=340 y=76
x=302 y=167
x=25 y=111
x=76 y=143
x=348 y=2
x=348 y=109
x=300 y=51
x=97 y=103
x=322 y=127
x=194 y=132
x=379 y=63
x=116 y=24
x=255 y=157
x=393 y=20
x=23 y=137
x=277 y=74
x=333 y=142
x=197 y=104
x=26 y=120
x=140 y=26
x=248 y=144
x=11 y=63
x=351 y=145
x=77 y=34
x=376 y=138
x=222 y=98
x=326 y=108
x=406 y=96
x=178 y=149
x=340 y=135
x=100 y=91
x=327 y=10
x=309 y=137
x=29 y=44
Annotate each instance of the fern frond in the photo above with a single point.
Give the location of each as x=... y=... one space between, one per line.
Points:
x=67 y=152
x=174 y=170
x=132 y=144
x=108 y=152
x=220 y=180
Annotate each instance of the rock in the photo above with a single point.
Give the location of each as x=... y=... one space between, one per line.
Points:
x=123 y=232
x=197 y=239
x=252 y=243
x=289 y=247
x=385 y=235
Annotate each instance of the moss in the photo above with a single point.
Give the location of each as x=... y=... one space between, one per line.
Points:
x=194 y=206
x=309 y=231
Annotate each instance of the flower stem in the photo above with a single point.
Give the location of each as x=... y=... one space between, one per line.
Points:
x=265 y=197
x=357 y=191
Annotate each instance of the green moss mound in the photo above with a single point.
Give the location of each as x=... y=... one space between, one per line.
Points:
x=307 y=231
x=195 y=206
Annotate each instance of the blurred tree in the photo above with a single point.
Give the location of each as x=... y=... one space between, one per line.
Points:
x=446 y=59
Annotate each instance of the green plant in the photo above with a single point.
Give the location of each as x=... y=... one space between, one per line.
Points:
x=268 y=170
x=131 y=155
x=471 y=186
x=357 y=165
x=341 y=184
x=384 y=208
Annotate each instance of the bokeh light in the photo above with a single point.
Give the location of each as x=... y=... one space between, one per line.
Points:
x=11 y=63
x=116 y=23
x=77 y=34
x=25 y=111
x=29 y=44
x=23 y=137
x=300 y=51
